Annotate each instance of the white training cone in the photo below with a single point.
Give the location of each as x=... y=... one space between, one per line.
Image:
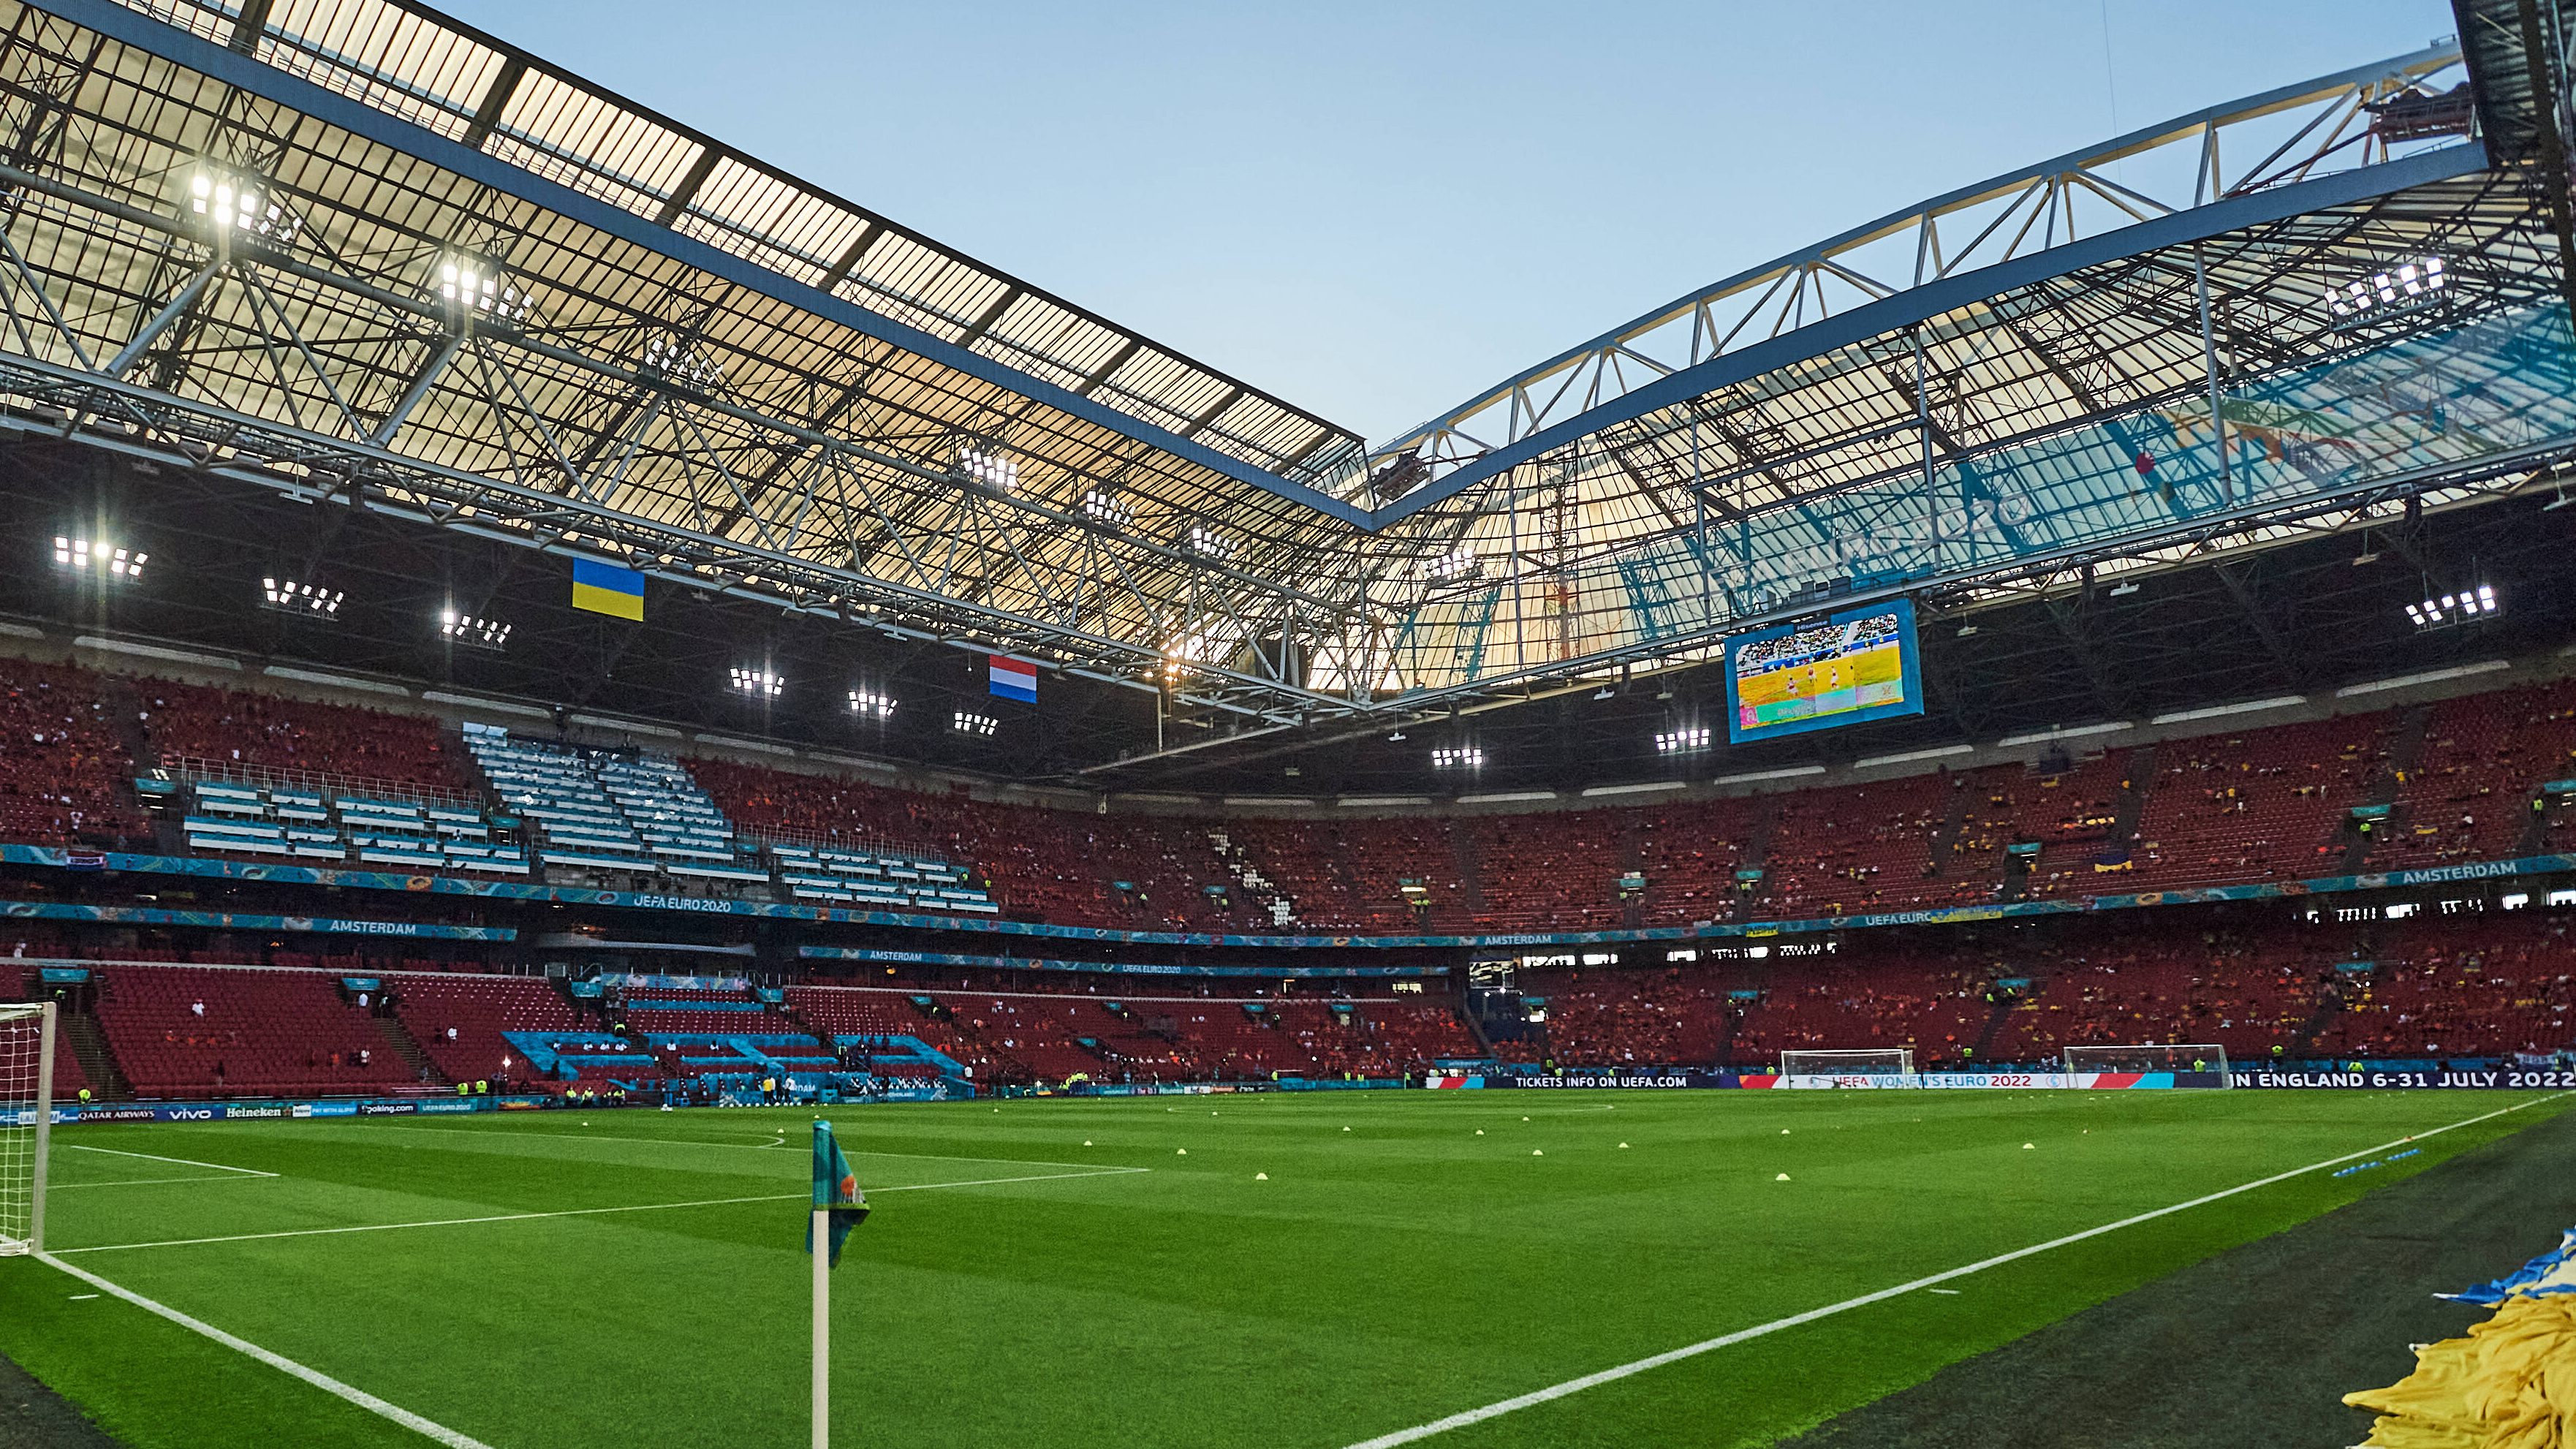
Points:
x=1261 y=1177
x=1086 y=1142
x=1783 y=1177
x=1623 y=1144
x=1534 y=1152
x=2027 y=1146
x=1184 y=1152
x=1480 y=1131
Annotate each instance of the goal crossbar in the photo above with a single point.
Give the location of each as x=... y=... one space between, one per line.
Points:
x=1857 y=1062
x=2199 y=1059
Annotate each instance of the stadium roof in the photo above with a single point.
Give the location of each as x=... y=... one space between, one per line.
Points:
x=675 y=357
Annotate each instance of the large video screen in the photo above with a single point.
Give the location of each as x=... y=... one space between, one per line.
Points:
x=1856 y=665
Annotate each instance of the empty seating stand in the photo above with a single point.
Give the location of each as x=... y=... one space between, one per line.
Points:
x=889 y=882
x=329 y=828
x=613 y=811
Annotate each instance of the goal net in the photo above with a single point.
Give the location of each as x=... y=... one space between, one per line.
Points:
x=2188 y=1058
x=26 y=1121
x=1875 y=1062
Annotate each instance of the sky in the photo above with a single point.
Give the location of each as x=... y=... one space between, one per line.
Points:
x=1376 y=210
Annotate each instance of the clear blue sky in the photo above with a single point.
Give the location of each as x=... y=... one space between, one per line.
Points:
x=1376 y=209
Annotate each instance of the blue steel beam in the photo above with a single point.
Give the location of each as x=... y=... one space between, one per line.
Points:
x=1933 y=299
x=295 y=93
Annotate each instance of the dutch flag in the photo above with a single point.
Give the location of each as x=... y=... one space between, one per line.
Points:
x=1012 y=679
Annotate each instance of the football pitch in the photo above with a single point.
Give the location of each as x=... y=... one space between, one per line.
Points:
x=1120 y=1272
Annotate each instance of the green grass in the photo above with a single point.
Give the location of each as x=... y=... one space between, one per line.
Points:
x=1385 y=1275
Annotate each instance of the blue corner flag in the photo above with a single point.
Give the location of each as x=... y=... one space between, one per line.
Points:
x=836 y=1188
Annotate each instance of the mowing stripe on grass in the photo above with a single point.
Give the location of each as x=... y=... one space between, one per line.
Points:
x=1625 y=1370
x=846 y=1149
x=315 y=1377
x=648 y=1207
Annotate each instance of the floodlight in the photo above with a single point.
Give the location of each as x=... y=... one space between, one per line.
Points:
x=1458 y=563
x=969 y=723
x=1446 y=757
x=2459 y=608
x=1395 y=739
x=1680 y=741
x=759 y=683
x=306 y=600
x=867 y=702
x=478 y=286
x=472 y=632
x=1106 y=508
x=680 y=363
x=989 y=466
x=2401 y=288
x=84 y=558
x=1207 y=542
x=231 y=205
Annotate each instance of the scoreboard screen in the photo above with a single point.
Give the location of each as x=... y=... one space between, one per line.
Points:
x=1857 y=665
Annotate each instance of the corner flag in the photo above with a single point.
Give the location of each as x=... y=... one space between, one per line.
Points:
x=836 y=1189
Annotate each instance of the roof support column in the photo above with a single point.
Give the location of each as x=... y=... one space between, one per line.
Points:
x=178 y=307
x=2209 y=363
x=419 y=389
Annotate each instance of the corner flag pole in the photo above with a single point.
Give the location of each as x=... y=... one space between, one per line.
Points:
x=839 y=1206
x=822 y=1330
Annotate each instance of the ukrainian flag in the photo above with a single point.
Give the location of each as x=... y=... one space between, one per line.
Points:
x=835 y=1188
x=607 y=589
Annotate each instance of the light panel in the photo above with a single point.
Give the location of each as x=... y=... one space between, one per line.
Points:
x=869 y=704
x=967 y=722
x=475 y=633
x=101 y=559
x=761 y=683
x=991 y=467
x=306 y=600
x=2459 y=608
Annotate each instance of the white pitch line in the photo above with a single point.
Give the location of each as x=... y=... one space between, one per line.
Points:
x=1625 y=1370
x=181 y=1161
x=315 y=1377
x=54 y=1187
x=846 y=1149
x=648 y=1207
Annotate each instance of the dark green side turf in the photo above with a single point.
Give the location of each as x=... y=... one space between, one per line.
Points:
x=1384 y=1276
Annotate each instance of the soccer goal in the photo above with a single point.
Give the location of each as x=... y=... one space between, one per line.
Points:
x=2204 y=1060
x=1875 y=1062
x=26 y=1121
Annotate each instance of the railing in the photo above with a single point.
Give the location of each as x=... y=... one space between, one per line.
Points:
x=858 y=840
x=234 y=772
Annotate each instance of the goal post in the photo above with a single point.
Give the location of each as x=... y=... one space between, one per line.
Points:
x=2200 y=1064
x=1868 y=1062
x=26 y=1121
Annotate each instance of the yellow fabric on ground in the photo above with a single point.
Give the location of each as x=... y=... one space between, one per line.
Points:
x=2511 y=1384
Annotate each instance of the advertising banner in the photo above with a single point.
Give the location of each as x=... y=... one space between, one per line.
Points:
x=2368 y=1079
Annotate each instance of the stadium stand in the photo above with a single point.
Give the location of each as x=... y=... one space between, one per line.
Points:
x=239 y=727
x=259 y=777
x=459 y=1020
x=65 y=764
x=238 y=1032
